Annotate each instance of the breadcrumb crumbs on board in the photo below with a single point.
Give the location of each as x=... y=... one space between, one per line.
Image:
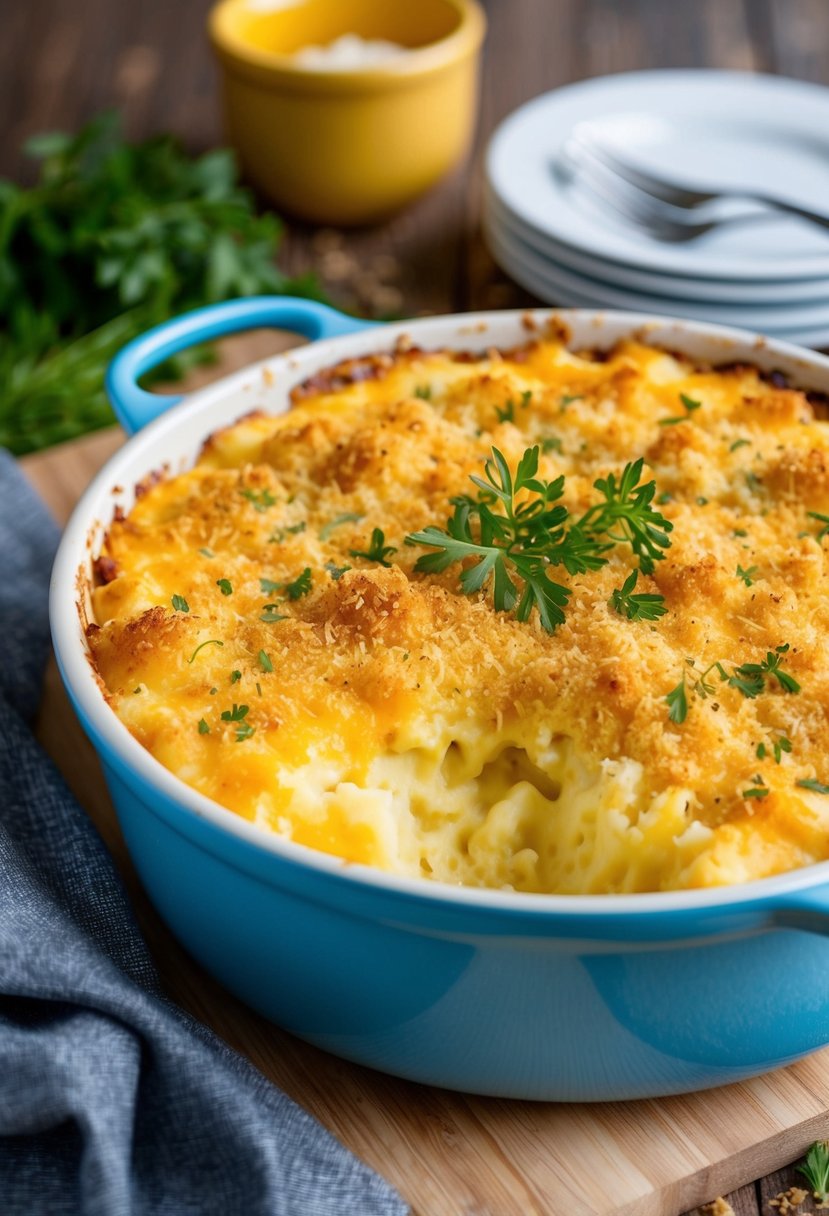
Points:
x=413 y=727
x=789 y=1201
x=717 y=1207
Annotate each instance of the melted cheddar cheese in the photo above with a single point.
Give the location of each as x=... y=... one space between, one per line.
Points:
x=393 y=720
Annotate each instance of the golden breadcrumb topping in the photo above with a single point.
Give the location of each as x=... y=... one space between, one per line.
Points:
x=262 y=629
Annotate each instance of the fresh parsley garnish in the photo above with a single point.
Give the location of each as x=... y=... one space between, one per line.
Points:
x=815 y=1169
x=207 y=553
x=293 y=590
x=641 y=607
x=336 y=571
x=678 y=703
x=264 y=661
x=551 y=444
x=817 y=787
x=347 y=517
x=235 y=676
x=739 y=532
x=224 y=586
x=201 y=646
x=423 y=391
x=778 y=745
x=377 y=551
x=278 y=535
x=750 y=678
x=753 y=481
x=238 y=715
x=270 y=614
x=529 y=536
x=204 y=729
x=567 y=399
x=739 y=443
x=260 y=500
x=690 y=405
x=758 y=790
x=824 y=519
x=180 y=603
x=748 y=576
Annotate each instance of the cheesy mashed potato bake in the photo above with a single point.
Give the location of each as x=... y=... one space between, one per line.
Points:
x=600 y=666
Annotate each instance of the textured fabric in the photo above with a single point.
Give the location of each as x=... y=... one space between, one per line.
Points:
x=113 y=1101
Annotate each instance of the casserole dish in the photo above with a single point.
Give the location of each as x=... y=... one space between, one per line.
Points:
x=531 y=996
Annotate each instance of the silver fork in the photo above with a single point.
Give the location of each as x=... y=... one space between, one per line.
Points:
x=665 y=210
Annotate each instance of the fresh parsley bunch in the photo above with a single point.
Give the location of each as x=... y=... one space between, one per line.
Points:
x=114 y=237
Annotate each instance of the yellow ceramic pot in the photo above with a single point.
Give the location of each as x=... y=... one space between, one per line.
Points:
x=347 y=146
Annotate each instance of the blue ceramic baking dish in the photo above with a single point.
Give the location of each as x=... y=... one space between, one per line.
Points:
x=528 y=996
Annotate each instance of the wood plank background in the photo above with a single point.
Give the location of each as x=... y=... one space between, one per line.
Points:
x=61 y=63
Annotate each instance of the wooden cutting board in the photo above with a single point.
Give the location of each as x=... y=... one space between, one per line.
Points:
x=449 y=1154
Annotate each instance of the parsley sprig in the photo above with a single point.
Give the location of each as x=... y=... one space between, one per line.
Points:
x=522 y=528
x=237 y=715
x=690 y=405
x=377 y=550
x=750 y=679
x=294 y=590
x=815 y=1169
x=640 y=607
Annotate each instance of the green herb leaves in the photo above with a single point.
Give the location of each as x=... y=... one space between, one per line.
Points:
x=112 y=239
x=526 y=535
x=811 y=783
x=677 y=700
x=750 y=679
x=237 y=715
x=815 y=1168
x=377 y=551
x=211 y=642
x=690 y=406
x=224 y=586
x=180 y=604
x=260 y=500
x=641 y=607
x=293 y=590
x=748 y=576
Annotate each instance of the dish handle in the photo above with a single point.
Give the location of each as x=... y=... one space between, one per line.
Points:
x=134 y=407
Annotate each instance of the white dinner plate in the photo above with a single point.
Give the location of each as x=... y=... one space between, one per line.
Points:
x=557 y=286
x=701 y=127
x=678 y=287
x=764 y=317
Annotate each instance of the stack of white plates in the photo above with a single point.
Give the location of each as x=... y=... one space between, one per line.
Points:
x=769 y=274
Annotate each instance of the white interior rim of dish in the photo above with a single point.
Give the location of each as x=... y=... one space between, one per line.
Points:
x=189 y=423
x=704 y=110
x=663 y=286
x=557 y=284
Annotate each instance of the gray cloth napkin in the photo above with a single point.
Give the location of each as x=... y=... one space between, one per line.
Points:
x=112 y=1100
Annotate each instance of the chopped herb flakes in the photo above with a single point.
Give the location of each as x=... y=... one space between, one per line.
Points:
x=812 y=783
x=642 y=607
x=749 y=679
x=293 y=590
x=551 y=444
x=347 y=517
x=690 y=405
x=270 y=614
x=264 y=661
x=778 y=746
x=377 y=551
x=748 y=576
x=278 y=536
x=211 y=642
x=237 y=715
x=207 y=553
x=423 y=391
x=235 y=676
x=224 y=586
x=204 y=729
x=568 y=399
x=824 y=519
x=180 y=603
x=758 y=790
x=739 y=443
x=260 y=500
x=336 y=571
x=678 y=703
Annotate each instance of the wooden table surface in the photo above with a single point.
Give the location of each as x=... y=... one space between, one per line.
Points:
x=61 y=63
